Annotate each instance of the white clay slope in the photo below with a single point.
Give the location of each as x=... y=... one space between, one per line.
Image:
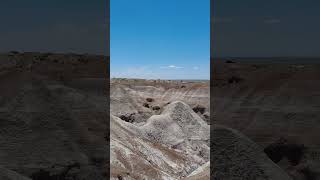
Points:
x=179 y=127
x=168 y=146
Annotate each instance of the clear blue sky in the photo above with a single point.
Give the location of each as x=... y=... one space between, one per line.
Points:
x=166 y=39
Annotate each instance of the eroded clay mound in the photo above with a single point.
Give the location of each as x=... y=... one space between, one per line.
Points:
x=169 y=146
x=131 y=99
x=236 y=157
x=180 y=128
x=133 y=157
x=202 y=173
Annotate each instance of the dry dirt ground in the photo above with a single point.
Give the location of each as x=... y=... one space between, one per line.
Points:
x=52 y=116
x=172 y=141
x=276 y=105
x=143 y=98
x=159 y=129
x=53 y=122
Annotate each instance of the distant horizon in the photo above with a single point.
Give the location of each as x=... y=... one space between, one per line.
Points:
x=220 y=57
x=54 y=52
x=280 y=59
x=162 y=79
x=251 y=57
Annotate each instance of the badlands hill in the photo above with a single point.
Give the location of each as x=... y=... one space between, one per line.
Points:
x=159 y=129
x=276 y=105
x=166 y=147
x=53 y=116
x=172 y=141
x=139 y=99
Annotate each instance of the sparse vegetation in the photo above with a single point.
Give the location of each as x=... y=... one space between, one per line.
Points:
x=149 y=99
x=128 y=117
x=158 y=125
x=146 y=105
x=199 y=108
x=156 y=108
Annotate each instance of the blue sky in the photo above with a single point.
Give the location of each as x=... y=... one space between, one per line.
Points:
x=160 y=39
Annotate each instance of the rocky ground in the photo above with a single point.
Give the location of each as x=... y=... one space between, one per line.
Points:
x=173 y=141
x=52 y=116
x=276 y=105
x=137 y=100
x=159 y=129
x=53 y=121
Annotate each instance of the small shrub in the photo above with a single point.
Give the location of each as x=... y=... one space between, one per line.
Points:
x=155 y=108
x=199 y=108
x=128 y=118
x=149 y=100
x=146 y=105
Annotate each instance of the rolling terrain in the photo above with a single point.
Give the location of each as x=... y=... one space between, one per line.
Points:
x=155 y=134
x=276 y=105
x=160 y=129
x=53 y=119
